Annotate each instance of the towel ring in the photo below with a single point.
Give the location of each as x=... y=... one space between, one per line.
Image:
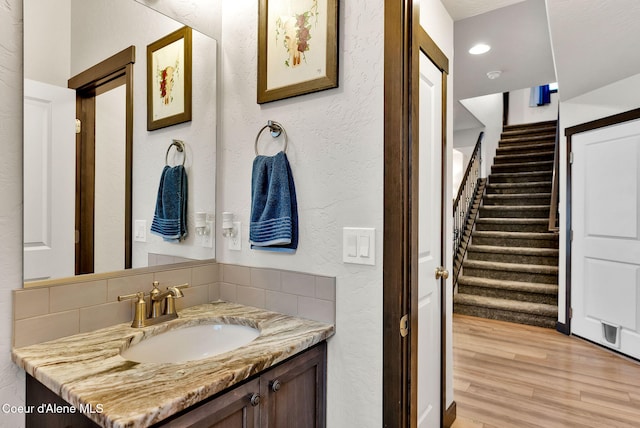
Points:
x=179 y=147
x=276 y=129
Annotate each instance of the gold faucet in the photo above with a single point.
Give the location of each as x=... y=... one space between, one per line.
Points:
x=158 y=313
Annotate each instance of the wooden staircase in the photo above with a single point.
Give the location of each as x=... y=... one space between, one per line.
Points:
x=510 y=271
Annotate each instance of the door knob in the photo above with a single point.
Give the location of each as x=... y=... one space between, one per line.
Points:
x=441 y=272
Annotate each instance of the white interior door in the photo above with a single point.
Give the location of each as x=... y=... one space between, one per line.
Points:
x=429 y=243
x=605 y=263
x=49 y=180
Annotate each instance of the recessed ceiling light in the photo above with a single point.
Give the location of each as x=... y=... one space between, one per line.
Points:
x=494 y=74
x=479 y=49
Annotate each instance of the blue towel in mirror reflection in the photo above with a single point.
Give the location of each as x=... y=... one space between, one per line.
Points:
x=170 y=217
x=274 y=207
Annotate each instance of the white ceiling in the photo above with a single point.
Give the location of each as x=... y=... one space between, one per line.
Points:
x=461 y=9
x=594 y=43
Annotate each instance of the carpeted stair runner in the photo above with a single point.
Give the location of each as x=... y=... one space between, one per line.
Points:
x=510 y=271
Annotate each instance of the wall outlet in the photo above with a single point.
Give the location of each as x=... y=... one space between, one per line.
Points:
x=140 y=231
x=207 y=240
x=235 y=241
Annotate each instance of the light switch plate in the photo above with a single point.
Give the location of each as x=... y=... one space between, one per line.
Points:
x=359 y=245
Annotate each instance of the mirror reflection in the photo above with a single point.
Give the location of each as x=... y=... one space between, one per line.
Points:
x=64 y=39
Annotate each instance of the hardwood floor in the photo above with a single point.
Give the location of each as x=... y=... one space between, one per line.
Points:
x=516 y=376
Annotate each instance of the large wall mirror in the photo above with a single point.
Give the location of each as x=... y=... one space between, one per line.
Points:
x=64 y=39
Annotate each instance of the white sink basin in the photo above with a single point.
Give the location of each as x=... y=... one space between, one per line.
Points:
x=190 y=343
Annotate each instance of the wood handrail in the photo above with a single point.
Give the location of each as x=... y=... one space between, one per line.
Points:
x=555 y=186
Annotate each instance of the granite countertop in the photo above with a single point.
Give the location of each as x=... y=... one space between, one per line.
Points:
x=87 y=368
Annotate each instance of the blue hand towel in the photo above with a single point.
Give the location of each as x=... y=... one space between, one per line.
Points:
x=274 y=207
x=170 y=217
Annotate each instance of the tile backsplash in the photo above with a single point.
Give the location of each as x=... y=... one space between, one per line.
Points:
x=53 y=309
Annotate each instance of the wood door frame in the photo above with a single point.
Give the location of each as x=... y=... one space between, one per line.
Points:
x=114 y=71
x=569 y=133
x=404 y=39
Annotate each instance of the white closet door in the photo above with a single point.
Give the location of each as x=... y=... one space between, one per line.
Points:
x=605 y=259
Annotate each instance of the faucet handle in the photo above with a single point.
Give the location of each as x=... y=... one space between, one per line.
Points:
x=141 y=308
x=171 y=298
x=139 y=295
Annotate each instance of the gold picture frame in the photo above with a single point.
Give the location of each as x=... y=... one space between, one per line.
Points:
x=297 y=48
x=169 y=80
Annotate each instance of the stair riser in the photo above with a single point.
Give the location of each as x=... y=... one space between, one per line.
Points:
x=512 y=258
x=549 y=299
x=545 y=176
x=529 y=157
x=512 y=227
x=522 y=201
x=523 y=139
x=493 y=211
x=515 y=242
x=523 y=167
x=501 y=315
x=542 y=188
x=523 y=149
x=534 y=125
x=511 y=276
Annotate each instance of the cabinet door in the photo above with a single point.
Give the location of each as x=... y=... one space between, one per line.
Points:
x=237 y=408
x=293 y=394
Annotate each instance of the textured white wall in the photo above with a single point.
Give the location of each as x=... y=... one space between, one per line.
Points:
x=520 y=112
x=47 y=59
x=488 y=110
x=336 y=154
x=11 y=378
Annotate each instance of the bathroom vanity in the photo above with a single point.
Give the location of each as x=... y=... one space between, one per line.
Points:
x=277 y=380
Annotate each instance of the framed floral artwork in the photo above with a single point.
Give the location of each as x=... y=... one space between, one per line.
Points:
x=169 y=80
x=297 y=47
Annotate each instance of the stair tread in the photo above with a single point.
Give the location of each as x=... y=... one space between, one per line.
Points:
x=518 y=174
x=517 y=195
x=517 y=267
x=540 y=163
x=514 y=185
x=521 y=235
x=542 y=123
x=532 y=146
x=512 y=220
x=531 y=287
x=530 y=251
x=515 y=207
x=524 y=155
x=505 y=304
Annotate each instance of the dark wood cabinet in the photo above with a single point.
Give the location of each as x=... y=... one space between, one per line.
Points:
x=238 y=408
x=294 y=392
x=289 y=395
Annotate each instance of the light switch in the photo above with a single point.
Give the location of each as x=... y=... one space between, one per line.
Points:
x=352 y=245
x=363 y=241
x=358 y=245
